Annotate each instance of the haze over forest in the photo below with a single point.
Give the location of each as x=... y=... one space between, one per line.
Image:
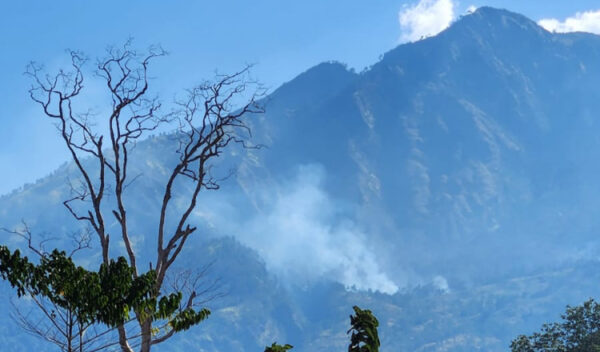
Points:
x=450 y=186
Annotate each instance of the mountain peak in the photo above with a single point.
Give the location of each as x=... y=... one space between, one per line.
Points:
x=485 y=32
x=319 y=82
x=329 y=70
x=495 y=12
x=491 y=21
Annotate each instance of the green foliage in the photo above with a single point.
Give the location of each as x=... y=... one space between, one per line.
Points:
x=107 y=296
x=188 y=318
x=364 y=336
x=578 y=332
x=15 y=269
x=278 y=348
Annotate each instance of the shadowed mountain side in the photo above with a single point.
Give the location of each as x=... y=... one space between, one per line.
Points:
x=459 y=173
x=476 y=144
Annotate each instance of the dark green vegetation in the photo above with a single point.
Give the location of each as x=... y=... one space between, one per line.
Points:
x=579 y=331
x=364 y=336
x=110 y=295
x=278 y=348
x=107 y=296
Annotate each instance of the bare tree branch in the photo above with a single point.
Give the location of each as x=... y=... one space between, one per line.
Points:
x=208 y=124
x=210 y=119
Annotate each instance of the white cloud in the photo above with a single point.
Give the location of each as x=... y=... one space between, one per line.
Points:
x=588 y=21
x=304 y=236
x=427 y=18
x=471 y=9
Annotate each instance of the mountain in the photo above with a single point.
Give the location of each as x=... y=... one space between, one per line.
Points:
x=451 y=187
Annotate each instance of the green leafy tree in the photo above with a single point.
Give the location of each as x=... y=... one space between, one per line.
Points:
x=210 y=118
x=278 y=348
x=579 y=331
x=108 y=296
x=364 y=336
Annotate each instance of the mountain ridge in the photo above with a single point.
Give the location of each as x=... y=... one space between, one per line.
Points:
x=457 y=168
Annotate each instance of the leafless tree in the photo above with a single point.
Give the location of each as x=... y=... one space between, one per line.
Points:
x=209 y=120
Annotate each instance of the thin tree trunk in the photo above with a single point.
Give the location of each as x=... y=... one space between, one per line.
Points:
x=70 y=332
x=146 y=335
x=123 y=339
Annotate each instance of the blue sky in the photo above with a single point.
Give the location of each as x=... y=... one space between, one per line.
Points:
x=283 y=38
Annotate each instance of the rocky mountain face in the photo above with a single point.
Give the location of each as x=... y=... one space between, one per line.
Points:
x=452 y=188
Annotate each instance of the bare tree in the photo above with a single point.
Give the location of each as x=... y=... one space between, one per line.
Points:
x=209 y=120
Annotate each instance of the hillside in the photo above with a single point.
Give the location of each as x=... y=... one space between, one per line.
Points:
x=452 y=188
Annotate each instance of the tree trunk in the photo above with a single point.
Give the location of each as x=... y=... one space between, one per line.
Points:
x=123 y=340
x=146 y=335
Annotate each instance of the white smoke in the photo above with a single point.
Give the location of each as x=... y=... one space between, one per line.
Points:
x=304 y=236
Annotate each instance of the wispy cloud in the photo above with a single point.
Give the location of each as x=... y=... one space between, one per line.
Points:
x=587 y=21
x=426 y=18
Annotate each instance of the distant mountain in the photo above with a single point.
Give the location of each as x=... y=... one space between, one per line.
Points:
x=453 y=188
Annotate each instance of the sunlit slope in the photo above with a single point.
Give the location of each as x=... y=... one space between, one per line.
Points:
x=459 y=172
